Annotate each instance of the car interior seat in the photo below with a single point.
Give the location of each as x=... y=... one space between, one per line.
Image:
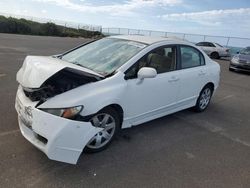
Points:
x=159 y=61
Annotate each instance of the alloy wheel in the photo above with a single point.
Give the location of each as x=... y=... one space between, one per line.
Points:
x=205 y=98
x=107 y=122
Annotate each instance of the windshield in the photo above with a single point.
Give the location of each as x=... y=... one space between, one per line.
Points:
x=104 y=56
x=245 y=51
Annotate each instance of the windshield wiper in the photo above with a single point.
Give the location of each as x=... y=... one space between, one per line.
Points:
x=109 y=74
x=59 y=56
x=76 y=63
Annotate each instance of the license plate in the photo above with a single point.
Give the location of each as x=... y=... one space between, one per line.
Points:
x=24 y=114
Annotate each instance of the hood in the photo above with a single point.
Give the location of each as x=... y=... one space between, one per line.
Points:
x=244 y=57
x=37 y=69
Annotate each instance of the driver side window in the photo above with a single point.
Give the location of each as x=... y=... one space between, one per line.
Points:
x=162 y=59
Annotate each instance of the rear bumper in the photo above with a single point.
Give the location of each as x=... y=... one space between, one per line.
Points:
x=59 y=138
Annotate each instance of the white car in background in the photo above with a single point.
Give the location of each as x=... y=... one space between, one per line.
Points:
x=79 y=100
x=214 y=50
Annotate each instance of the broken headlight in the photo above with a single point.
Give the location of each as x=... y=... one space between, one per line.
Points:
x=68 y=113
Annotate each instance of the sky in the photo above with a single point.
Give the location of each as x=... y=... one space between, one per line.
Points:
x=209 y=17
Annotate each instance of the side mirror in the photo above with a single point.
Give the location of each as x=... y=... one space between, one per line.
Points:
x=146 y=72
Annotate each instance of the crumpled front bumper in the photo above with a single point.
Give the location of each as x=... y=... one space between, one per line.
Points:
x=59 y=138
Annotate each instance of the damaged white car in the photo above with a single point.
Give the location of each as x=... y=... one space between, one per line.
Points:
x=79 y=100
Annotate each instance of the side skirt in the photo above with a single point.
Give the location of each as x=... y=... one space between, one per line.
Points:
x=172 y=108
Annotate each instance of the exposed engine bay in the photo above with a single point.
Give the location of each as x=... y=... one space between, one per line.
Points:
x=62 y=81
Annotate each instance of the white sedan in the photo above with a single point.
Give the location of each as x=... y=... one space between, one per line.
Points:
x=79 y=100
x=214 y=50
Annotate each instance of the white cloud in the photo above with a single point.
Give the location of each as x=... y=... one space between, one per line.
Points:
x=118 y=8
x=44 y=11
x=212 y=17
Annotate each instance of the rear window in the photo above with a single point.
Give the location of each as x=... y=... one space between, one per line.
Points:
x=218 y=45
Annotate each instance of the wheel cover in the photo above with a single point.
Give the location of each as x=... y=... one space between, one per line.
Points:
x=107 y=122
x=205 y=98
x=214 y=55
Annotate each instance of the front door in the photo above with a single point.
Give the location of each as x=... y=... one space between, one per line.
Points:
x=152 y=97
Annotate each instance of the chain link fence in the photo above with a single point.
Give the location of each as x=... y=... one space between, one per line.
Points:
x=234 y=43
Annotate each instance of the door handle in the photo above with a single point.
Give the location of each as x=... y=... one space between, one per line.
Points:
x=173 y=79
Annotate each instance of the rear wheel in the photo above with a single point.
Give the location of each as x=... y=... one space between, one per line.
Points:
x=204 y=99
x=108 y=119
x=215 y=55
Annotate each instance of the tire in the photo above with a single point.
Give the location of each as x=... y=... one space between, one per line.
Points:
x=215 y=55
x=204 y=99
x=230 y=69
x=99 y=142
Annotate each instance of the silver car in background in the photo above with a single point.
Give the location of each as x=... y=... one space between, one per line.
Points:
x=214 y=50
x=241 y=61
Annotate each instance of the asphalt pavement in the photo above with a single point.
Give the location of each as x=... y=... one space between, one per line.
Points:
x=182 y=150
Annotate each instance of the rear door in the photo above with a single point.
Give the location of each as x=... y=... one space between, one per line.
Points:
x=193 y=74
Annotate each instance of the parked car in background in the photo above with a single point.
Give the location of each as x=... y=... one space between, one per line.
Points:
x=241 y=61
x=214 y=50
x=79 y=100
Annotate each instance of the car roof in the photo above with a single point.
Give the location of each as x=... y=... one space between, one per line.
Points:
x=205 y=42
x=149 y=39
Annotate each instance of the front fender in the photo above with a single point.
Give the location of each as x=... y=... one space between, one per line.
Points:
x=93 y=96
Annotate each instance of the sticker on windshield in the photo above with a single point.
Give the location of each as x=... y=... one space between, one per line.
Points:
x=137 y=44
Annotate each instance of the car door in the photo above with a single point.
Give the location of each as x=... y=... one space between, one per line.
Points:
x=193 y=74
x=152 y=97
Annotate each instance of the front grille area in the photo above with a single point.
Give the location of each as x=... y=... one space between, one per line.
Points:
x=31 y=95
x=62 y=81
x=243 y=61
x=41 y=139
x=242 y=67
x=37 y=95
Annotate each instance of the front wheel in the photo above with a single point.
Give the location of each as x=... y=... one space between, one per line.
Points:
x=204 y=99
x=107 y=119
